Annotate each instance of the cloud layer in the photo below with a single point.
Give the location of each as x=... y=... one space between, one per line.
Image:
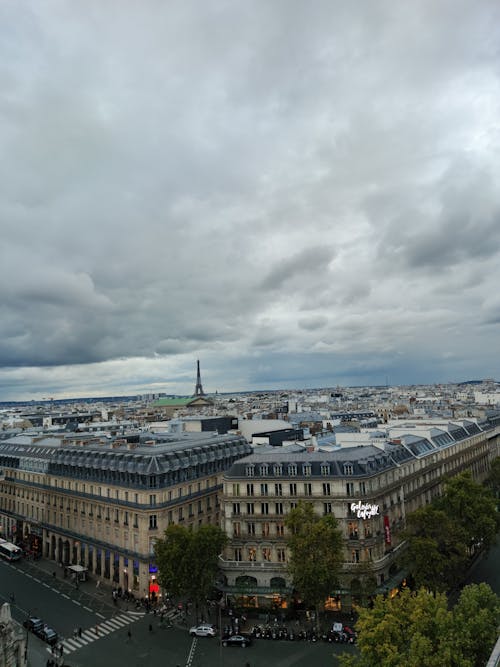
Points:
x=297 y=194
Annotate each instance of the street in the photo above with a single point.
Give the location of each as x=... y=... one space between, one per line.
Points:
x=65 y=608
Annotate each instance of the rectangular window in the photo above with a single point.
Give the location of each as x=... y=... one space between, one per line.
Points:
x=349 y=488
x=293 y=489
x=280 y=553
x=266 y=553
x=250 y=528
x=236 y=489
x=265 y=529
x=308 y=489
x=362 y=488
x=181 y=514
x=278 y=489
x=250 y=508
x=236 y=529
x=190 y=509
x=278 y=508
x=136 y=521
x=355 y=556
x=117 y=518
x=152 y=521
x=252 y=553
x=280 y=529
x=352 y=530
x=237 y=554
x=236 y=508
x=326 y=488
x=125 y=518
x=264 y=508
x=263 y=490
x=327 y=508
x=152 y=500
x=249 y=489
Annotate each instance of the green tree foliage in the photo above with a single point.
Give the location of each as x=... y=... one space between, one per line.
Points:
x=477 y=617
x=443 y=536
x=188 y=560
x=316 y=550
x=436 y=554
x=418 y=630
x=473 y=507
x=493 y=481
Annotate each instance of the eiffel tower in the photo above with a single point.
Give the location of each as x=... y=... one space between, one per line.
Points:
x=198 y=391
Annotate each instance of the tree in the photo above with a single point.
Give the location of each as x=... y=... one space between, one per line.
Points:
x=493 y=479
x=436 y=553
x=417 y=630
x=476 y=617
x=473 y=507
x=188 y=560
x=316 y=549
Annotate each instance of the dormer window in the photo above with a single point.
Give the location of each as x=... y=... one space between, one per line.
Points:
x=292 y=469
x=325 y=469
x=250 y=471
x=348 y=469
x=307 y=470
x=264 y=469
x=278 y=469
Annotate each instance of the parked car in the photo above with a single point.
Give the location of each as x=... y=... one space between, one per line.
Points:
x=48 y=635
x=34 y=624
x=236 y=640
x=203 y=630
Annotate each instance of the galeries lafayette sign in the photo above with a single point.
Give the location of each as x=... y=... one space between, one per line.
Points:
x=363 y=511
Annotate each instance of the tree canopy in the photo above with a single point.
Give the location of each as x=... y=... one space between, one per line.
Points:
x=316 y=553
x=436 y=553
x=188 y=560
x=442 y=537
x=418 y=630
x=473 y=507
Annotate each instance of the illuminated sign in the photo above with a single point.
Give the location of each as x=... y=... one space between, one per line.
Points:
x=364 y=511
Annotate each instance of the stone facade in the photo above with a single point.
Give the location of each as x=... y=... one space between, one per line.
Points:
x=369 y=489
x=103 y=502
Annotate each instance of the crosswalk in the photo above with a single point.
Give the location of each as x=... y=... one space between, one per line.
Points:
x=98 y=631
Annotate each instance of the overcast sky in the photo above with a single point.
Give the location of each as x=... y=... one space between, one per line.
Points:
x=297 y=193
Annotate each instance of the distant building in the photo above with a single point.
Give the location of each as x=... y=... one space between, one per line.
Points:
x=169 y=407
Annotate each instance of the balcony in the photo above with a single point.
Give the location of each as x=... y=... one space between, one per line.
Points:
x=268 y=566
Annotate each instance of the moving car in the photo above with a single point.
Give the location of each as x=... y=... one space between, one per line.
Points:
x=203 y=630
x=237 y=640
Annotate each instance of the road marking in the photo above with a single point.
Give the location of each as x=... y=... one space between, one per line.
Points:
x=76 y=602
x=88 y=609
x=65 y=596
x=100 y=615
x=46 y=585
x=29 y=575
x=191 y=652
x=39 y=581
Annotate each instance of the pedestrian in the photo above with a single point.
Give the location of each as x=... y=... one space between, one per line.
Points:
x=150 y=628
x=96 y=629
x=12 y=598
x=129 y=635
x=54 y=575
x=79 y=632
x=98 y=583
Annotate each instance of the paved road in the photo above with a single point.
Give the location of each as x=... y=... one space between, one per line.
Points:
x=65 y=608
x=486 y=569
x=61 y=606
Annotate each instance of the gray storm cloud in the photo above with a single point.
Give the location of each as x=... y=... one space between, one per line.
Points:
x=296 y=194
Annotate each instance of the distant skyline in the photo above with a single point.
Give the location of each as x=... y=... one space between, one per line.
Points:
x=297 y=194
